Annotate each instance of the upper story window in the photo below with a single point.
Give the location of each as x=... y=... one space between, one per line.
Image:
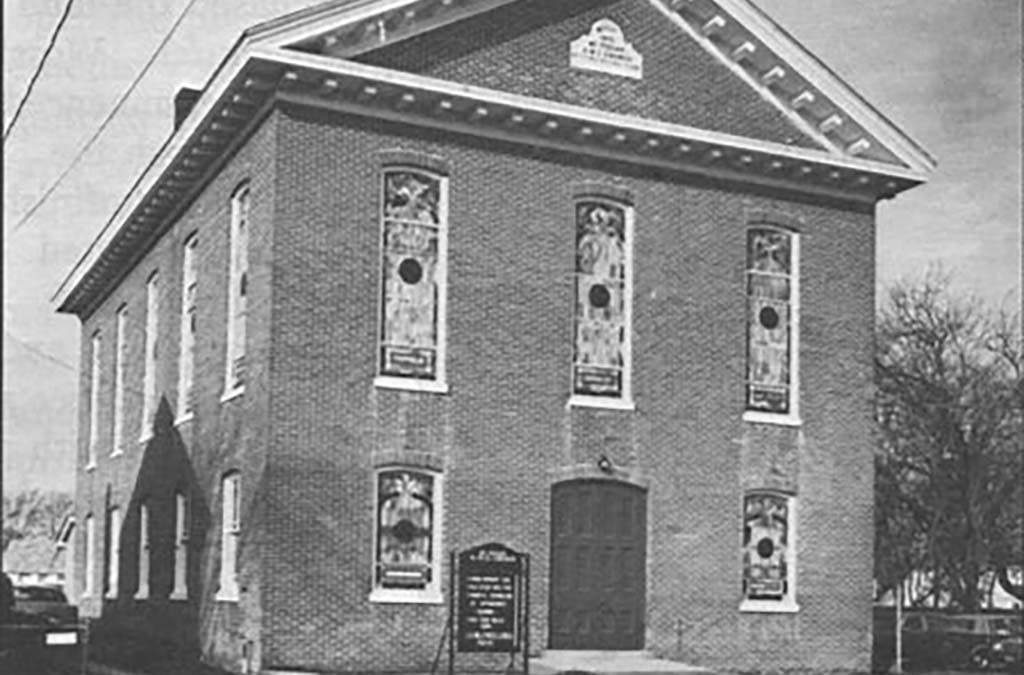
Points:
x=120 y=354
x=238 y=289
x=414 y=216
x=186 y=366
x=602 y=316
x=769 y=552
x=149 y=396
x=407 y=536
x=231 y=530
x=94 y=397
x=772 y=323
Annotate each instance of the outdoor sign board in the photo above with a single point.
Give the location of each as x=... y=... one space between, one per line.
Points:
x=490 y=607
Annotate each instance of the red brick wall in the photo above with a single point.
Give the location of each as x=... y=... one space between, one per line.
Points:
x=524 y=48
x=504 y=426
x=191 y=456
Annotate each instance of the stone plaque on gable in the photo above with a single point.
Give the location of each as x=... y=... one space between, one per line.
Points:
x=605 y=50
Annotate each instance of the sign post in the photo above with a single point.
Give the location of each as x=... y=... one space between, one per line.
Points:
x=492 y=615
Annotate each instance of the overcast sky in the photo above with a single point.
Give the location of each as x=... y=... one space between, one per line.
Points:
x=946 y=71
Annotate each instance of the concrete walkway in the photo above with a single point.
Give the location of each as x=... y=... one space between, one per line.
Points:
x=552 y=662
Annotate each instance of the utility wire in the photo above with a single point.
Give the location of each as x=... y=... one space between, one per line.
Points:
x=103 y=125
x=39 y=69
x=39 y=352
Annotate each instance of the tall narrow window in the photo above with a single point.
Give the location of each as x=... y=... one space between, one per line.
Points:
x=407 y=531
x=769 y=548
x=143 y=591
x=149 y=400
x=230 y=531
x=186 y=364
x=89 y=587
x=180 y=591
x=120 y=345
x=413 y=280
x=772 y=318
x=94 y=399
x=114 y=553
x=602 y=317
x=238 y=282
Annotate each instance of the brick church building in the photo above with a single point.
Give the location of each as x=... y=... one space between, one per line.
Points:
x=590 y=278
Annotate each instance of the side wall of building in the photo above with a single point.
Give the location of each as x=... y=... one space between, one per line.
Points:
x=504 y=428
x=189 y=456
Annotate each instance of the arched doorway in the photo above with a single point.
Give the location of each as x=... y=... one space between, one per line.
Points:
x=598 y=565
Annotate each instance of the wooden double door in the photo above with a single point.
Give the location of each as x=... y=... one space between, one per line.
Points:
x=598 y=565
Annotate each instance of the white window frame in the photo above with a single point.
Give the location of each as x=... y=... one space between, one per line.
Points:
x=114 y=553
x=180 y=590
x=120 y=353
x=238 y=265
x=152 y=327
x=231 y=530
x=431 y=594
x=788 y=603
x=625 y=401
x=792 y=417
x=143 y=589
x=186 y=351
x=95 y=358
x=89 y=532
x=438 y=385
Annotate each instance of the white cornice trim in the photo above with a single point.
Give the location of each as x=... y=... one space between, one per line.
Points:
x=794 y=118
x=544 y=106
x=819 y=76
x=154 y=172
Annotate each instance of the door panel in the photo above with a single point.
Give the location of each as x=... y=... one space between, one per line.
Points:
x=598 y=565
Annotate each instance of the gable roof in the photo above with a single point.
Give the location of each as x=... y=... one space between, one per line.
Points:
x=304 y=57
x=32 y=554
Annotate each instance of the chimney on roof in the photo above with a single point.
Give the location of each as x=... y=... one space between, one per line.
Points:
x=184 y=101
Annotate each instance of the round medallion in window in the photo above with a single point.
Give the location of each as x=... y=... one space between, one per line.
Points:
x=768 y=317
x=599 y=296
x=765 y=547
x=410 y=271
x=404 y=531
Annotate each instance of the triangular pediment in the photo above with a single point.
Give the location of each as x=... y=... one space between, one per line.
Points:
x=718 y=65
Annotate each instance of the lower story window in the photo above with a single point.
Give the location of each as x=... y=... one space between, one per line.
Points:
x=407 y=536
x=769 y=551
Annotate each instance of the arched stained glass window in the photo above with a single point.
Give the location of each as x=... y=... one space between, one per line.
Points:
x=413 y=275
x=405 y=529
x=602 y=299
x=768 y=546
x=771 y=300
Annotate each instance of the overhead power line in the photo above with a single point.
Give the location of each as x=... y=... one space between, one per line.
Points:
x=106 y=121
x=39 y=69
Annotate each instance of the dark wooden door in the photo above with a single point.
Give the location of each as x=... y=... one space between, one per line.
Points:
x=598 y=565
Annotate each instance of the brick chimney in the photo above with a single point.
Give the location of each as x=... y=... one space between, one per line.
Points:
x=184 y=100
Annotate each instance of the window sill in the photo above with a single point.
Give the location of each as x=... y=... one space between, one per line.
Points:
x=91 y=466
x=183 y=595
x=187 y=417
x=233 y=393
x=110 y=596
x=786 y=606
x=145 y=438
x=406 y=597
x=116 y=453
x=142 y=594
x=410 y=384
x=783 y=420
x=582 y=401
x=228 y=595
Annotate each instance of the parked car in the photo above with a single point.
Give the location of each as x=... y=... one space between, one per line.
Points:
x=1003 y=654
x=951 y=640
x=47 y=602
